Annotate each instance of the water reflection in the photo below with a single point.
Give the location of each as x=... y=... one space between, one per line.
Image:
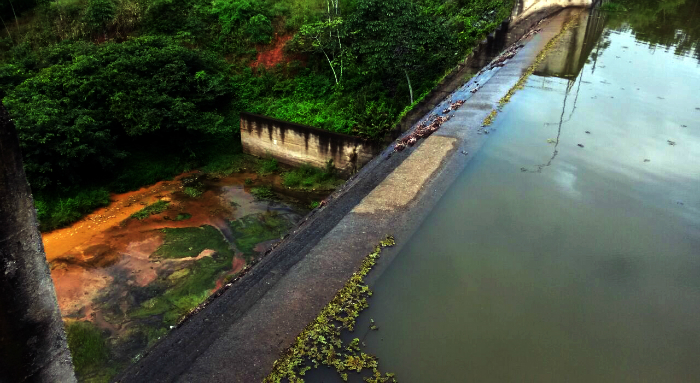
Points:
x=585 y=266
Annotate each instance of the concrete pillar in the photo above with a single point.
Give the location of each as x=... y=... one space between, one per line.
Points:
x=33 y=345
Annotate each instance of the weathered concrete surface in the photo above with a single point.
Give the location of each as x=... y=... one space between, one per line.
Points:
x=403 y=184
x=296 y=144
x=32 y=336
x=238 y=336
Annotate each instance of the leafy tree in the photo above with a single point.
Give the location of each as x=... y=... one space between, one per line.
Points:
x=70 y=116
x=233 y=14
x=98 y=13
x=325 y=37
x=392 y=38
x=260 y=29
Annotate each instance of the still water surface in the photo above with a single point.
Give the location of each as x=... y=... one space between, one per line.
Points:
x=547 y=261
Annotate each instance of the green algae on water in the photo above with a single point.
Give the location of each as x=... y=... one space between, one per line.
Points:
x=150 y=210
x=253 y=229
x=320 y=342
x=191 y=241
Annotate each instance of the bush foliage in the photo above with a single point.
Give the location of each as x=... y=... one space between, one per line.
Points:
x=94 y=85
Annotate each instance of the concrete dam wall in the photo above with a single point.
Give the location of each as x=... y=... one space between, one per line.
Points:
x=295 y=144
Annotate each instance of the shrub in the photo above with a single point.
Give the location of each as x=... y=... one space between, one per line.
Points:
x=267 y=166
x=98 y=13
x=72 y=116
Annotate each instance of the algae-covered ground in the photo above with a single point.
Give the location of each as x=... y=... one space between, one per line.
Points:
x=126 y=286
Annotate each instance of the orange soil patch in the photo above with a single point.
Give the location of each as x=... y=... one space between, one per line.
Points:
x=273 y=54
x=61 y=241
x=76 y=287
x=84 y=256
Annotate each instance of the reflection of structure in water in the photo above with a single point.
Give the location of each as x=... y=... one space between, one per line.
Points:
x=526 y=8
x=574 y=48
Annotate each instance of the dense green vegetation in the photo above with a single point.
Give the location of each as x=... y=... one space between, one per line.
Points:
x=307 y=177
x=150 y=210
x=109 y=95
x=88 y=350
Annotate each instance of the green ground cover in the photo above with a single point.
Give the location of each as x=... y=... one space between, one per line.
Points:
x=152 y=209
x=307 y=177
x=190 y=241
x=253 y=229
x=89 y=351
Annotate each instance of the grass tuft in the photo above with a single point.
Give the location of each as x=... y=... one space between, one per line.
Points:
x=263 y=192
x=150 y=210
x=307 y=177
x=267 y=166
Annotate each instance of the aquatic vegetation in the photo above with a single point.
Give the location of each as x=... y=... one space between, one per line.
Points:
x=150 y=210
x=182 y=217
x=489 y=119
x=263 y=192
x=191 y=241
x=320 y=342
x=256 y=228
x=192 y=191
x=89 y=350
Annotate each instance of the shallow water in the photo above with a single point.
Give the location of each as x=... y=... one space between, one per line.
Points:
x=569 y=248
x=134 y=279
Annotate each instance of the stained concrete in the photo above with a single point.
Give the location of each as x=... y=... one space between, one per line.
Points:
x=239 y=335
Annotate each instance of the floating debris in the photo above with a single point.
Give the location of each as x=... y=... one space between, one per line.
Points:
x=320 y=343
x=672 y=143
x=587 y=132
x=646 y=160
x=580 y=145
x=425 y=129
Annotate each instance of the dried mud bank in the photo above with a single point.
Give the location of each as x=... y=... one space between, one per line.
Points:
x=239 y=335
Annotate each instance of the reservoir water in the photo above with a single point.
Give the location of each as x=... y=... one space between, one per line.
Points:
x=568 y=250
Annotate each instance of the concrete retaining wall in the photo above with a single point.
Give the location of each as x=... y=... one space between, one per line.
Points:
x=295 y=144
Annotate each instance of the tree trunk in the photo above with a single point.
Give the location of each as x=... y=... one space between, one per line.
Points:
x=410 y=88
x=33 y=345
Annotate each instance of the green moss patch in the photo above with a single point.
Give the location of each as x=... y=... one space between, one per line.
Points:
x=263 y=192
x=174 y=295
x=190 y=241
x=320 y=343
x=150 y=210
x=256 y=228
x=89 y=351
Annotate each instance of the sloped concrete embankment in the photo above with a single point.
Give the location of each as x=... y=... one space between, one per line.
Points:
x=239 y=335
